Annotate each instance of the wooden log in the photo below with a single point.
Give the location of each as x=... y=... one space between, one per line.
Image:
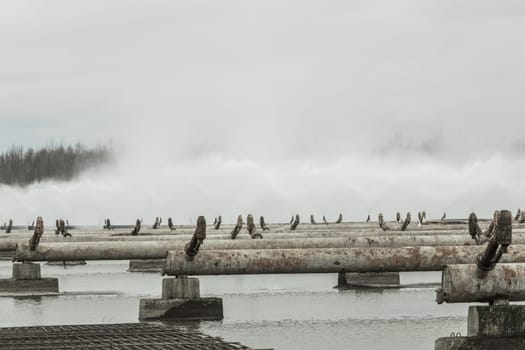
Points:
x=158 y=249
x=369 y=238
x=460 y=284
x=278 y=261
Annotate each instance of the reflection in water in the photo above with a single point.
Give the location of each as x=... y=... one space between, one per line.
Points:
x=268 y=311
x=28 y=300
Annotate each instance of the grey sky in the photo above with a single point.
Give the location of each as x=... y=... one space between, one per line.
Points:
x=270 y=107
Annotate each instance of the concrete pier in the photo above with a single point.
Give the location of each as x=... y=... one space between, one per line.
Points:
x=480 y=343
x=496 y=320
x=490 y=327
x=27 y=281
x=7 y=255
x=349 y=280
x=30 y=271
x=146 y=265
x=181 y=300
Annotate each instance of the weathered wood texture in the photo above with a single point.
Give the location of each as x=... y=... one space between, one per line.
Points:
x=275 y=261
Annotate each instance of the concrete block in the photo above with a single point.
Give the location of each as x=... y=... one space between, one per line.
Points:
x=149 y=265
x=368 y=279
x=204 y=309
x=67 y=263
x=7 y=254
x=180 y=288
x=480 y=343
x=499 y=320
x=23 y=271
x=43 y=286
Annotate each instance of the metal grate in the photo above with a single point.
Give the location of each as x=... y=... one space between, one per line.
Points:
x=126 y=336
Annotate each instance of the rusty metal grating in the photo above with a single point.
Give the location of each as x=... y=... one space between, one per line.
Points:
x=126 y=336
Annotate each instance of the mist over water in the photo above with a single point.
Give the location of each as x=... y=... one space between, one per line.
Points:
x=218 y=185
x=271 y=108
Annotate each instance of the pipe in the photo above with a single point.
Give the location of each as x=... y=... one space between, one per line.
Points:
x=65 y=250
x=459 y=284
x=157 y=249
x=268 y=235
x=277 y=261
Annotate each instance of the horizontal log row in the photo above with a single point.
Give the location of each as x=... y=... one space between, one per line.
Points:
x=405 y=238
x=278 y=261
x=124 y=250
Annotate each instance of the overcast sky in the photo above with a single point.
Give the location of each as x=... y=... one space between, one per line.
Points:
x=268 y=107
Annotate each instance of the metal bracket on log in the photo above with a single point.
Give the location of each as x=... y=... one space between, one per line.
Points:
x=263 y=224
x=9 y=226
x=37 y=234
x=252 y=229
x=157 y=223
x=382 y=222
x=107 y=224
x=497 y=244
x=61 y=228
x=421 y=216
x=237 y=228
x=475 y=230
x=192 y=248
x=406 y=222
x=136 y=229
x=170 y=224
x=295 y=223
x=218 y=223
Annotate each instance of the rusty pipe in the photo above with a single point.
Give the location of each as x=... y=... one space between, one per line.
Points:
x=70 y=250
x=460 y=284
x=331 y=260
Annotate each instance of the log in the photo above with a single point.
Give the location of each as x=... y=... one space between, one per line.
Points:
x=460 y=284
x=274 y=240
x=278 y=261
x=158 y=249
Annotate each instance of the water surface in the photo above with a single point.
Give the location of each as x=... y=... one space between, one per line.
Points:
x=266 y=311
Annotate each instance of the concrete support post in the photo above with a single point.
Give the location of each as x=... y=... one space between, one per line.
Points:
x=498 y=320
x=348 y=280
x=490 y=327
x=148 y=265
x=26 y=271
x=27 y=281
x=181 y=300
x=181 y=288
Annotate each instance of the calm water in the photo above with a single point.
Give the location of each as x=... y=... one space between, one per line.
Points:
x=267 y=311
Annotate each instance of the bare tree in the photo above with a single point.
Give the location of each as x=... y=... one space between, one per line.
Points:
x=19 y=167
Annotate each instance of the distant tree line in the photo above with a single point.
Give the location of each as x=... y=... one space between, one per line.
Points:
x=19 y=166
